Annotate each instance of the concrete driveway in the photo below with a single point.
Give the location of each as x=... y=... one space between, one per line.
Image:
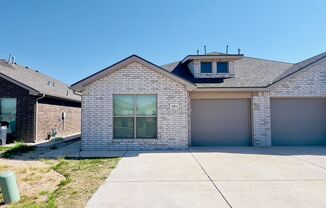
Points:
x=217 y=177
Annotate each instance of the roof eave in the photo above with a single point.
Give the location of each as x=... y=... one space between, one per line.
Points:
x=285 y=77
x=32 y=91
x=229 y=89
x=209 y=57
x=63 y=98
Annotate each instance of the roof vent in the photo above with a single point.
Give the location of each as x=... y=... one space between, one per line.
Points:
x=11 y=59
x=227 y=49
x=239 y=51
x=204 y=49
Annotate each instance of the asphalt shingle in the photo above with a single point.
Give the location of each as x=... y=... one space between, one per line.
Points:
x=37 y=81
x=249 y=72
x=301 y=65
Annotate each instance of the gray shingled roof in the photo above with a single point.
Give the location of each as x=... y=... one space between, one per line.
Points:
x=37 y=81
x=249 y=72
x=171 y=66
x=253 y=72
x=298 y=66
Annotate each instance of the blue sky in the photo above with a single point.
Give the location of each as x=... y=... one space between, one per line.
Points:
x=70 y=39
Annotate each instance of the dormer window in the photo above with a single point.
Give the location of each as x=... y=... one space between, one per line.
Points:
x=212 y=66
x=222 y=67
x=206 y=67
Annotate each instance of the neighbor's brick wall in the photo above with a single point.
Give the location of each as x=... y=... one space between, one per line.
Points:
x=261 y=122
x=97 y=121
x=306 y=83
x=24 y=112
x=194 y=67
x=50 y=116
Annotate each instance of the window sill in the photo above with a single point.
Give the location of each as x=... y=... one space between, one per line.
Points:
x=132 y=139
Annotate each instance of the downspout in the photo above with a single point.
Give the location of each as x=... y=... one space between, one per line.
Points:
x=81 y=112
x=36 y=114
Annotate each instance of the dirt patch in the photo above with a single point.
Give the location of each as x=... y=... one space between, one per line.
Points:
x=35 y=178
x=57 y=183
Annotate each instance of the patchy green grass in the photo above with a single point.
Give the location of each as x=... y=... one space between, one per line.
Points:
x=17 y=149
x=35 y=180
x=83 y=177
x=58 y=139
x=81 y=180
x=29 y=202
x=4 y=148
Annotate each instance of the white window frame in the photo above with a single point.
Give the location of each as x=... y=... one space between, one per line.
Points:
x=134 y=116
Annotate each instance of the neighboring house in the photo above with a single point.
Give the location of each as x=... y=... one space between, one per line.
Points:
x=204 y=100
x=32 y=103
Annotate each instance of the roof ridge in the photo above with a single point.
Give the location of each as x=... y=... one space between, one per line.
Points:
x=37 y=81
x=118 y=65
x=174 y=62
x=23 y=67
x=311 y=60
x=264 y=59
x=322 y=55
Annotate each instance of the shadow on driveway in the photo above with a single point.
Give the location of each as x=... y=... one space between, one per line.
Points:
x=279 y=150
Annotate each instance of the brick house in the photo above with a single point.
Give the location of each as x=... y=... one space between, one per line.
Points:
x=32 y=104
x=204 y=100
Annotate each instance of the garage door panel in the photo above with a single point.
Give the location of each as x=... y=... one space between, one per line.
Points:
x=298 y=121
x=220 y=122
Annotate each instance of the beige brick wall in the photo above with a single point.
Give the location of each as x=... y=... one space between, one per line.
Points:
x=174 y=124
x=261 y=119
x=97 y=121
x=306 y=83
x=49 y=116
x=310 y=82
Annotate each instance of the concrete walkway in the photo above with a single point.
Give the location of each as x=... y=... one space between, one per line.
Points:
x=217 y=177
x=69 y=151
x=73 y=150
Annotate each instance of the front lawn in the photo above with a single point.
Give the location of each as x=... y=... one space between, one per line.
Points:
x=16 y=149
x=58 y=183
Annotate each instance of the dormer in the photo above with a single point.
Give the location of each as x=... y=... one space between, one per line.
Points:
x=212 y=65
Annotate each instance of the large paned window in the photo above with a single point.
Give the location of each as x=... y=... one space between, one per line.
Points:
x=8 y=113
x=135 y=116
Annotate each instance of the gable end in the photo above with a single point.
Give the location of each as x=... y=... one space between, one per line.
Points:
x=79 y=86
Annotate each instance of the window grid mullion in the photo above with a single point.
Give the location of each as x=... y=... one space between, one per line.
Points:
x=135 y=116
x=135 y=109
